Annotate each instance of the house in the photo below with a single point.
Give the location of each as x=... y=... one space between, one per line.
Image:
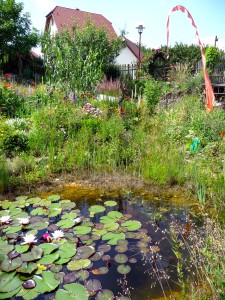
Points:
x=130 y=54
x=62 y=17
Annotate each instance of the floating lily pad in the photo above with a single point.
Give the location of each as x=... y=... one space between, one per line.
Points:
x=66 y=223
x=115 y=214
x=133 y=260
x=13 y=254
x=40 y=225
x=103 y=270
x=39 y=211
x=84 y=252
x=110 y=203
x=96 y=209
x=5 y=248
x=48 y=247
x=123 y=269
x=121 y=248
x=97 y=256
x=93 y=285
x=70 y=277
x=121 y=258
x=111 y=226
x=27 y=268
x=78 y=264
x=113 y=237
x=104 y=248
x=99 y=231
x=106 y=257
x=34 y=254
x=12 y=229
x=9 y=282
x=68 y=205
x=132 y=225
x=53 y=198
x=22 y=248
x=21 y=198
x=49 y=258
x=71 y=215
x=72 y=291
x=81 y=229
x=8 y=265
x=105 y=295
x=56 y=268
x=82 y=275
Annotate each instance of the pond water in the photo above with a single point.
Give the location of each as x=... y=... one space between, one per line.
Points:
x=138 y=265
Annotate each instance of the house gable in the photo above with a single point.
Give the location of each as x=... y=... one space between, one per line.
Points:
x=61 y=17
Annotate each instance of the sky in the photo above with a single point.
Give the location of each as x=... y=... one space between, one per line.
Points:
x=128 y=14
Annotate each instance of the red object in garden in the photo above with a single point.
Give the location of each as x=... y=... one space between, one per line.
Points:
x=7 y=75
x=208 y=86
x=222 y=134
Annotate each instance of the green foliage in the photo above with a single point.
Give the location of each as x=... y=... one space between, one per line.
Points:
x=184 y=54
x=17 y=37
x=75 y=61
x=11 y=103
x=152 y=93
x=212 y=55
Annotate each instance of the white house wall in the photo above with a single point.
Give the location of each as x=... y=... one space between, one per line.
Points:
x=126 y=57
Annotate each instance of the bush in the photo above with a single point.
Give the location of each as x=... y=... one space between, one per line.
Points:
x=152 y=93
x=10 y=102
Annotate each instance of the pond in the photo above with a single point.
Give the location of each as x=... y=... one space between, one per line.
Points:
x=93 y=246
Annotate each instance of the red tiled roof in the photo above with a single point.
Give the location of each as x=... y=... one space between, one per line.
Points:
x=134 y=48
x=66 y=17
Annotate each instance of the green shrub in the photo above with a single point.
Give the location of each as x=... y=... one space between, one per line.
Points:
x=11 y=103
x=152 y=93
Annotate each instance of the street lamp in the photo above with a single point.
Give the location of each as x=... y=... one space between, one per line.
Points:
x=140 y=29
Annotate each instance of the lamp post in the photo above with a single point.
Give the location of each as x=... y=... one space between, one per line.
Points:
x=140 y=29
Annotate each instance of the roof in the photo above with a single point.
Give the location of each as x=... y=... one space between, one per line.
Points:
x=134 y=48
x=66 y=17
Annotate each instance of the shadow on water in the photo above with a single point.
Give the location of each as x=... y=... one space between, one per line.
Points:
x=153 y=265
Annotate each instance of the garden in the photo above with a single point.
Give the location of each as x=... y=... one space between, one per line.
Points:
x=118 y=196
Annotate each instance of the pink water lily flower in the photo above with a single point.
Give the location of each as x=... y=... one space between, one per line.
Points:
x=5 y=219
x=29 y=238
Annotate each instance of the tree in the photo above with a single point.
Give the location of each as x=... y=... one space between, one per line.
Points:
x=75 y=60
x=17 y=37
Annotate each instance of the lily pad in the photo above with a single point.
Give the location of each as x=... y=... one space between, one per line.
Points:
x=93 y=285
x=70 y=277
x=49 y=258
x=8 y=265
x=96 y=209
x=105 y=295
x=113 y=237
x=48 y=247
x=121 y=248
x=104 y=248
x=84 y=252
x=9 y=282
x=110 y=203
x=81 y=229
x=132 y=225
x=66 y=223
x=78 y=264
x=82 y=275
x=123 y=269
x=27 y=268
x=72 y=291
x=56 y=268
x=115 y=214
x=103 y=270
x=111 y=226
x=22 y=248
x=53 y=198
x=34 y=254
x=121 y=258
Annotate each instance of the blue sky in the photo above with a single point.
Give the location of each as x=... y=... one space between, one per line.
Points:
x=126 y=14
